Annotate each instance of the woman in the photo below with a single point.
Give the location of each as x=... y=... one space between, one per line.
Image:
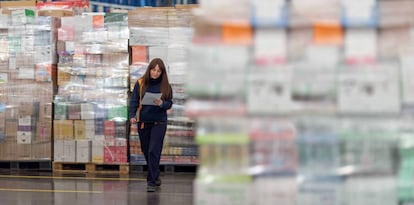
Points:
x=151 y=116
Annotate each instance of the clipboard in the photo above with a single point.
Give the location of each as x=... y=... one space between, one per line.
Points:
x=149 y=98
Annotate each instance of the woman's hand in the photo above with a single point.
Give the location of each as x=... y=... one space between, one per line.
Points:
x=133 y=120
x=158 y=102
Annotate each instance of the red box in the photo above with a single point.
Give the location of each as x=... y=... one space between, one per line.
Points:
x=109 y=128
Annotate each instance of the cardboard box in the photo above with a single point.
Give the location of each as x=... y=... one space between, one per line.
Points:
x=120 y=142
x=139 y=54
x=79 y=129
x=11 y=128
x=43 y=131
x=4 y=77
x=90 y=129
x=60 y=112
x=109 y=128
x=270 y=46
x=45 y=111
x=74 y=111
x=10 y=150
x=58 y=148
x=87 y=111
x=12 y=112
x=100 y=111
x=27 y=108
x=69 y=47
x=42 y=150
x=63 y=129
x=149 y=17
x=24 y=151
x=63 y=77
x=98 y=149
x=22 y=16
x=116 y=154
x=29 y=3
x=55 y=13
x=109 y=141
x=117 y=112
x=120 y=129
x=361 y=46
x=206 y=30
x=69 y=151
x=83 y=150
x=43 y=73
x=2 y=123
x=99 y=126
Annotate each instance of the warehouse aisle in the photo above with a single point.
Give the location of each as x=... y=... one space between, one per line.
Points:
x=45 y=189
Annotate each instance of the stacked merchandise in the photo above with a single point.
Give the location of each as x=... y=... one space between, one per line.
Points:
x=219 y=59
x=317 y=91
x=396 y=40
x=91 y=105
x=164 y=33
x=27 y=69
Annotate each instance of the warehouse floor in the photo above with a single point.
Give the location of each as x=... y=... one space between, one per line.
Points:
x=44 y=188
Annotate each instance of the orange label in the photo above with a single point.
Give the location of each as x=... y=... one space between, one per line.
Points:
x=240 y=33
x=328 y=33
x=98 y=21
x=139 y=54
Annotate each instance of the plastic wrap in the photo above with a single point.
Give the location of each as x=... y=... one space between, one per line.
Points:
x=92 y=93
x=27 y=75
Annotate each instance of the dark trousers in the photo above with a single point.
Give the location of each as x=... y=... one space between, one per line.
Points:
x=152 y=140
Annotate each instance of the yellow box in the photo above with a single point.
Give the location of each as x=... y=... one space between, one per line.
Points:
x=29 y=3
x=63 y=129
x=79 y=129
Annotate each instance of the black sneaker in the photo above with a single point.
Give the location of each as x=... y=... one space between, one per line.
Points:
x=151 y=188
x=158 y=182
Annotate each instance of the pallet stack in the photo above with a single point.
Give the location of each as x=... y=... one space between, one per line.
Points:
x=27 y=70
x=91 y=105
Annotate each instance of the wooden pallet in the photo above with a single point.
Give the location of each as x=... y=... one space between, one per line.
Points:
x=107 y=168
x=69 y=167
x=90 y=168
x=41 y=165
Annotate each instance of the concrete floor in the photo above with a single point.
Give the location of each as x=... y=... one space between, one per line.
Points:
x=45 y=188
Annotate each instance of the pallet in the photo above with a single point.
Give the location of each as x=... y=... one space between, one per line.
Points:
x=108 y=168
x=90 y=168
x=25 y=165
x=166 y=168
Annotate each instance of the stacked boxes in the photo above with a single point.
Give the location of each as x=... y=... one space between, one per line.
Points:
x=164 y=33
x=91 y=105
x=216 y=78
x=28 y=66
x=324 y=87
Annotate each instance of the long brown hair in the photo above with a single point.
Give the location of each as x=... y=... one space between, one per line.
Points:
x=165 y=84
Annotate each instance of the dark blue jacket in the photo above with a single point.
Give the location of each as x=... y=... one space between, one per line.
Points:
x=149 y=113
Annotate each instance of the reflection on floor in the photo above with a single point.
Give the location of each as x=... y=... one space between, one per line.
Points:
x=37 y=188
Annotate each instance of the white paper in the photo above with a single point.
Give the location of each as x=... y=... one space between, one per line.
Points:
x=149 y=98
